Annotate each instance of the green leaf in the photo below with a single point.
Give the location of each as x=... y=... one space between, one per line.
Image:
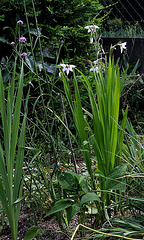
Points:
x=4 y=174
x=83 y=184
x=30 y=62
x=19 y=200
x=32 y=232
x=115 y=179
x=16 y=116
x=59 y=206
x=68 y=180
x=136 y=199
x=71 y=211
x=4 y=200
x=128 y=222
x=88 y=197
x=3 y=112
x=19 y=159
x=121 y=133
x=99 y=173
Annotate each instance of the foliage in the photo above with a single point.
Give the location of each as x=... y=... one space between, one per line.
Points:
x=116 y=28
x=132 y=96
x=66 y=21
x=125 y=19
x=33 y=232
x=129 y=221
x=74 y=12
x=134 y=155
x=75 y=194
x=104 y=233
x=11 y=160
x=102 y=134
x=58 y=21
x=88 y=117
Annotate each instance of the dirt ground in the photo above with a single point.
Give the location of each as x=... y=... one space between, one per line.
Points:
x=50 y=229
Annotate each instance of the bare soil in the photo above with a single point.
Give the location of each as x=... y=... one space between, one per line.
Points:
x=50 y=229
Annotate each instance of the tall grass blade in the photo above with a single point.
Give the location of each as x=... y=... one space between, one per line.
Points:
x=16 y=117
x=12 y=150
x=103 y=134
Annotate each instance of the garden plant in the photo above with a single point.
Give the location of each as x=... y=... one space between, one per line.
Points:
x=60 y=105
x=12 y=149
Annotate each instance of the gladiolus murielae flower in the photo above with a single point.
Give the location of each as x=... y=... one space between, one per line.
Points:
x=67 y=68
x=94 y=69
x=91 y=29
x=122 y=46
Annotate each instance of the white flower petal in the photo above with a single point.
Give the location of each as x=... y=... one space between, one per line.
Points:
x=122 y=46
x=67 y=71
x=91 y=39
x=96 y=61
x=62 y=65
x=91 y=28
x=67 y=68
x=94 y=69
x=87 y=27
x=72 y=66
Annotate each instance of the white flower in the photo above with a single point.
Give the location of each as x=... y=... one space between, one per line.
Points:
x=122 y=46
x=91 y=28
x=94 y=69
x=91 y=39
x=67 y=68
x=96 y=61
x=40 y=66
x=30 y=83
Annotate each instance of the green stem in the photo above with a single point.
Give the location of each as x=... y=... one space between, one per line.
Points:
x=41 y=92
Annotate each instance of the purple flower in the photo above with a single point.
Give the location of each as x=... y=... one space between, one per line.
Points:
x=22 y=39
x=23 y=54
x=20 y=22
x=12 y=43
